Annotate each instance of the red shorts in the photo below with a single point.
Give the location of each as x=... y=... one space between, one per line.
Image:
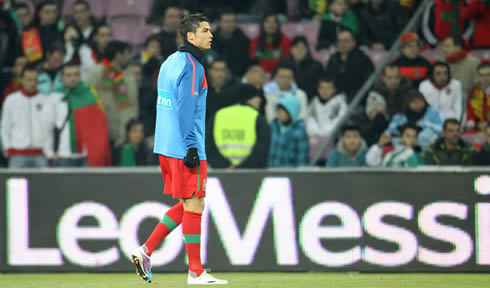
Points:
x=181 y=181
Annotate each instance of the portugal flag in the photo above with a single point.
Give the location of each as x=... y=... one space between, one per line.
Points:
x=88 y=131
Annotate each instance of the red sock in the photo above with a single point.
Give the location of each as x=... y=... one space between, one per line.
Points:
x=169 y=222
x=191 y=228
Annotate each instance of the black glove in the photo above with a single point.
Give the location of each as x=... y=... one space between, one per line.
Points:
x=191 y=159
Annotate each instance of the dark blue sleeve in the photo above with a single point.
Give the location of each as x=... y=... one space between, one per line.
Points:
x=187 y=106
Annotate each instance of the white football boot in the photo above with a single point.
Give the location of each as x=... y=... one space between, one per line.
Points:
x=143 y=264
x=204 y=279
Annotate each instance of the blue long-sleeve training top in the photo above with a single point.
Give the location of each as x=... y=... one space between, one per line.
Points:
x=181 y=106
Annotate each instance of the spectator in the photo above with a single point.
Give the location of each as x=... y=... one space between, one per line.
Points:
x=374 y=121
x=117 y=89
x=402 y=156
x=16 y=78
x=167 y=36
x=338 y=18
x=83 y=19
x=271 y=46
x=381 y=21
x=231 y=43
x=282 y=86
x=478 y=104
x=463 y=66
x=350 y=67
x=482 y=158
x=151 y=58
x=442 y=92
x=307 y=70
x=237 y=136
x=256 y=77
x=325 y=110
x=392 y=85
x=350 y=151
x=101 y=37
x=450 y=149
x=312 y=9
x=24 y=129
x=79 y=131
x=416 y=111
x=289 y=142
x=478 y=11
x=9 y=35
x=219 y=81
x=23 y=14
x=43 y=31
x=50 y=76
x=442 y=18
x=411 y=64
x=77 y=50
x=134 y=152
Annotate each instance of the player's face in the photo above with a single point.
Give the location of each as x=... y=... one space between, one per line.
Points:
x=409 y=138
x=203 y=37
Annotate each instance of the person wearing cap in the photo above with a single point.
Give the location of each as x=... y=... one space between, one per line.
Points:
x=411 y=64
x=405 y=154
x=238 y=136
x=289 y=142
x=351 y=149
x=375 y=120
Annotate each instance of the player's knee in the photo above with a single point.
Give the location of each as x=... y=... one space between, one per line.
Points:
x=194 y=204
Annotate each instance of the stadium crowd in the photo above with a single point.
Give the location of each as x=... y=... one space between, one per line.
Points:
x=78 y=82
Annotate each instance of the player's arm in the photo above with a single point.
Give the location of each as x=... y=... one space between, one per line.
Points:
x=187 y=107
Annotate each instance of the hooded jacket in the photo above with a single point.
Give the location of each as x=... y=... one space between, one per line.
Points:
x=289 y=142
x=273 y=94
x=339 y=157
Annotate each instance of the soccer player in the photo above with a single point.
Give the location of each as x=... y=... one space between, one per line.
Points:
x=179 y=141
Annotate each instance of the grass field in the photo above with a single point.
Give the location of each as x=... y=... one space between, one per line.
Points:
x=249 y=280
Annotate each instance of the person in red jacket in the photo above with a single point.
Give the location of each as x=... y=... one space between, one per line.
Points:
x=479 y=10
x=271 y=46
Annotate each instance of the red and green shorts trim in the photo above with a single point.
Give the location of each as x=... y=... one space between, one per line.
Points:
x=182 y=182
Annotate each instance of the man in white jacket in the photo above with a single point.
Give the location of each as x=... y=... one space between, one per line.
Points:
x=444 y=93
x=23 y=122
x=283 y=85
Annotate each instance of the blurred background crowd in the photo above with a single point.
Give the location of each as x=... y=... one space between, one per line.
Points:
x=78 y=82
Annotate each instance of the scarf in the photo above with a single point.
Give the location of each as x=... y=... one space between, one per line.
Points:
x=414 y=117
x=456 y=57
x=113 y=79
x=196 y=52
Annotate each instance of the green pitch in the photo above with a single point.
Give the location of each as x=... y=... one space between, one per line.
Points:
x=249 y=280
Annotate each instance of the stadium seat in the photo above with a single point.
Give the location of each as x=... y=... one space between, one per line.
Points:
x=484 y=55
x=432 y=55
x=250 y=29
x=321 y=56
x=308 y=29
x=377 y=57
x=144 y=32
x=128 y=8
x=67 y=9
x=125 y=29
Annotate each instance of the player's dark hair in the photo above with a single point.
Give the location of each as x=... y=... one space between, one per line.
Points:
x=458 y=40
x=450 y=121
x=33 y=67
x=115 y=47
x=190 y=23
